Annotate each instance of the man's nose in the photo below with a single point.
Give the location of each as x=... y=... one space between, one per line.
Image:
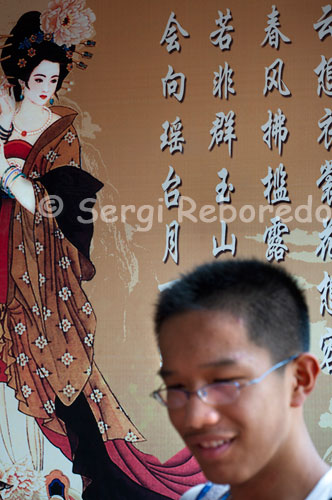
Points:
x=200 y=414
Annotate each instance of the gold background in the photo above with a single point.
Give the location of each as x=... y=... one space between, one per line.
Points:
x=122 y=110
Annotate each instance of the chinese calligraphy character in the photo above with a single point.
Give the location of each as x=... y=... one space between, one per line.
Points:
x=274 y=129
x=223 y=247
x=223 y=130
x=171 y=194
x=326 y=171
x=273 y=78
x=170 y=34
x=322 y=25
x=172 y=241
x=172 y=136
x=325 y=124
x=174 y=84
x=221 y=37
x=325 y=291
x=223 y=79
x=273 y=237
x=324 y=73
x=325 y=246
x=276 y=184
x=326 y=348
x=223 y=189
x=272 y=32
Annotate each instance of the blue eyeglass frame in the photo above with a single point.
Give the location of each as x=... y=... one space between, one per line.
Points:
x=238 y=385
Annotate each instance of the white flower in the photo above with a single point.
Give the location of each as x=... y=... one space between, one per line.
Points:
x=21 y=248
x=87 y=309
x=88 y=340
x=35 y=310
x=22 y=359
x=69 y=390
x=64 y=262
x=67 y=359
x=23 y=480
x=65 y=325
x=26 y=391
x=34 y=175
x=49 y=406
x=88 y=371
x=68 y=21
x=38 y=217
x=46 y=313
x=69 y=137
x=131 y=437
x=59 y=234
x=39 y=247
x=36 y=188
x=20 y=328
x=73 y=163
x=65 y=293
x=96 y=395
x=52 y=156
x=42 y=372
x=26 y=278
x=41 y=342
x=102 y=427
x=42 y=279
x=19 y=217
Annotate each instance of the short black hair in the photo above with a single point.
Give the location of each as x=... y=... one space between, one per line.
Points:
x=27 y=47
x=266 y=296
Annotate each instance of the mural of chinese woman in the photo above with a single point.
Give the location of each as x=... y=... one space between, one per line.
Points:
x=47 y=324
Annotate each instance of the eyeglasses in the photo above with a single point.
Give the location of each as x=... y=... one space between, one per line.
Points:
x=218 y=393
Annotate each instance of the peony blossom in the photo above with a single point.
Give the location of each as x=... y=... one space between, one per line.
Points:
x=68 y=20
x=24 y=481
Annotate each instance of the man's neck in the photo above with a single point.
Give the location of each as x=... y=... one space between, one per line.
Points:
x=293 y=475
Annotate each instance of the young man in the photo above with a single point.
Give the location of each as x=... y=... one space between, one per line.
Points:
x=234 y=341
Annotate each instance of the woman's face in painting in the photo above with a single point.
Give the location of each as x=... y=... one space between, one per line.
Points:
x=42 y=82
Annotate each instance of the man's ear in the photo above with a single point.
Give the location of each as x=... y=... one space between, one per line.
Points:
x=305 y=371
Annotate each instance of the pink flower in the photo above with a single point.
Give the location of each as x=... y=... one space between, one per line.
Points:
x=68 y=21
x=24 y=481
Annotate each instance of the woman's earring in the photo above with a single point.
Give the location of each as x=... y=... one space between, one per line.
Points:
x=21 y=95
x=52 y=101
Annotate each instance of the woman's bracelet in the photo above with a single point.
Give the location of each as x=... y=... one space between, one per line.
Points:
x=5 y=134
x=11 y=174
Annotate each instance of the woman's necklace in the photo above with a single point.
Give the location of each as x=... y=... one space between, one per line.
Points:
x=24 y=133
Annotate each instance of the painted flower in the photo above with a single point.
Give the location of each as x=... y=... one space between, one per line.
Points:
x=42 y=372
x=68 y=21
x=31 y=52
x=20 y=328
x=21 y=63
x=46 y=313
x=64 y=262
x=42 y=279
x=22 y=359
x=26 y=391
x=69 y=390
x=131 y=437
x=87 y=309
x=41 y=342
x=67 y=358
x=33 y=38
x=88 y=339
x=35 y=310
x=69 y=66
x=25 y=482
x=38 y=217
x=39 y=247
x=65 y=293
x=69 y=137
x=25 y=278
x=65 y=325
x=102 y=427
x=49 y=406
x=96 y=396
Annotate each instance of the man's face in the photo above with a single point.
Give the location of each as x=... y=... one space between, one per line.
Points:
x=233 y=442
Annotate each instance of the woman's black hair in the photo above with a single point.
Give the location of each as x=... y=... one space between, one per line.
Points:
x=29 y=46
